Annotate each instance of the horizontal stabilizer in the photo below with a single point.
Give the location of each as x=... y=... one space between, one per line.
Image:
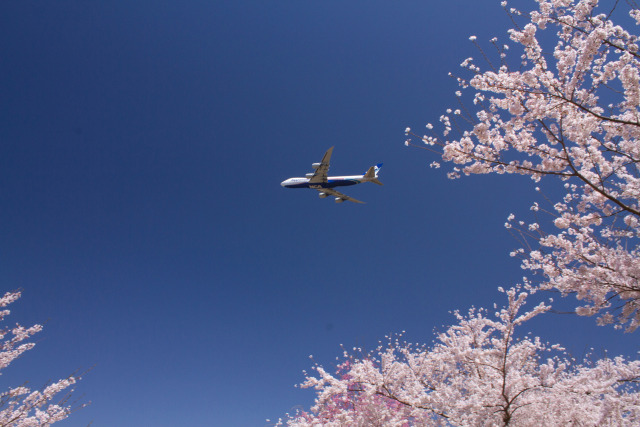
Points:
x=372 y=174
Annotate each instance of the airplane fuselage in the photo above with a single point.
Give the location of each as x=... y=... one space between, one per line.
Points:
x=332 y=182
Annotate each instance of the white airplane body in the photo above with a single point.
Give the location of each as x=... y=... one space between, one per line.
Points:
x=318 y=180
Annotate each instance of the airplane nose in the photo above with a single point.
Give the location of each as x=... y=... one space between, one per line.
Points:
x=283 y=183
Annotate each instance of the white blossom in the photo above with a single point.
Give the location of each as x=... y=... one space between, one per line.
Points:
x=572 y=115
x=480 y=371
x=21 y=406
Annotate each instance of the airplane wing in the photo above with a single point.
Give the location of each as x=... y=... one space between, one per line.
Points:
x=321 y=169
x=338 y=194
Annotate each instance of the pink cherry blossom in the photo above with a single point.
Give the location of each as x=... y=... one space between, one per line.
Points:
x=21 y=406
x=481 y=371
x=569 y=111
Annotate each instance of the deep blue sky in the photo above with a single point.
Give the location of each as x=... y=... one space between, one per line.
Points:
x=141 y=149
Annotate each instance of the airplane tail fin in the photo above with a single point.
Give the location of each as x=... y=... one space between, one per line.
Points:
x=372 y=174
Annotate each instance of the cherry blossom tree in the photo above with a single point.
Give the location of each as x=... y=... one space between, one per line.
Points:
x=21 y=406
x=568 y=110
x=480 y=371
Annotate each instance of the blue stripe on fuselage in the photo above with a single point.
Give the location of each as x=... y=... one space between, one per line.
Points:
x=329 y=184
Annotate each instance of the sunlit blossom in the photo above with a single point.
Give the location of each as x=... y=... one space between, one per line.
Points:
x=475 y=373
x=548 y=119
x=21 y=406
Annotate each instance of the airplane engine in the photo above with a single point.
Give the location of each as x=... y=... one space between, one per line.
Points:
x=322 y=195
x=339 y=200
x=309 y=175
x=316 y=165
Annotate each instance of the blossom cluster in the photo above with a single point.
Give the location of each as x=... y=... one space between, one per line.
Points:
x=569 y=111
x=480 y=371
x=21 y=406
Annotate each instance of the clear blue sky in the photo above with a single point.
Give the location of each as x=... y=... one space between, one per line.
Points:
x=141 y=149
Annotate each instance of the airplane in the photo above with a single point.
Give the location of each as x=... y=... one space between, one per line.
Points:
x=318 y=180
